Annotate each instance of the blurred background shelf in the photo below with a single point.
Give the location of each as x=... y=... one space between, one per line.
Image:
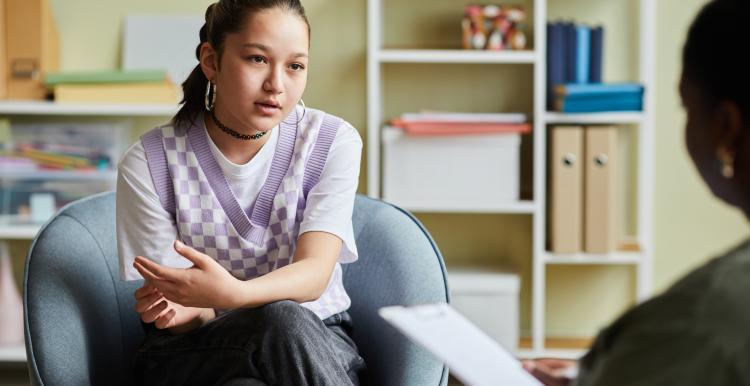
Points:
x=614 y=258
x=59 y=175
x=519 y=207
x=455 y=56
x=51 y=108
x=13 y=354
x=10 y=230
x=623 y=118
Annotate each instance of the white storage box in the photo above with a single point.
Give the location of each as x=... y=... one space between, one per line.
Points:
x=489 y=300
x=471 y=171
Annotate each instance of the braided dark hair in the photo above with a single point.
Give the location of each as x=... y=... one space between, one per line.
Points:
x=222 y=18
x=712 y=56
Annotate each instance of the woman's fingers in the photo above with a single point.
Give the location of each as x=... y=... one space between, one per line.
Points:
x=152 y=313
x=169 y=290
x=145 y=272
x=546 y=375
x=144 y=291
x=147 y=302
x=166 y=320
x=554 y=363
x=189 y=253
x=159 y=271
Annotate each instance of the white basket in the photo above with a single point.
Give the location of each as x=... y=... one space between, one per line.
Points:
x=449 y=171
x=490 y=300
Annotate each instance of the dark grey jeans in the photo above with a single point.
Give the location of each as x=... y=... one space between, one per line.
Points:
x=280 y=343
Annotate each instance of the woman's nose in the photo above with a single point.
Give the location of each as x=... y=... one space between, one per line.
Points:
x=273 y=83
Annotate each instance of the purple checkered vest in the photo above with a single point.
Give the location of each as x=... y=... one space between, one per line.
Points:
x=248 y=242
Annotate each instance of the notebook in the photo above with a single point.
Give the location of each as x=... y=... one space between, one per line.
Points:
x=472 y=356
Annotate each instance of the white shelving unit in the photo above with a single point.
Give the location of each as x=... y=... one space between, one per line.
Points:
x=10 y=108
x=377 y=55
x=13 y=230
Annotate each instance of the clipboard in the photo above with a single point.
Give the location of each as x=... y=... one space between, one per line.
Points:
x=472 y=356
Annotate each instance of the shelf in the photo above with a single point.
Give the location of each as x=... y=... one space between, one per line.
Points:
x=96 y=175
x=18 y=232
x=455 y=56
x=564 y=348
x=627 y=118
x=13 y=354
x=573 y=354
x=13 y=228
x=614 y=258
x=52 y=108
x=519 y=207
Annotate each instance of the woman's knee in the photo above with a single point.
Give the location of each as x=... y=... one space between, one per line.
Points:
x=290 y=321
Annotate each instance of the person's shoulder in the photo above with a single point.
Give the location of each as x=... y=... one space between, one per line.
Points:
x=133 y=160
x=729 y=276
x=345 y=131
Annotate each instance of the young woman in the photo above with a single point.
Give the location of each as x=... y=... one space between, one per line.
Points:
x=238 y=215
x=695 y=333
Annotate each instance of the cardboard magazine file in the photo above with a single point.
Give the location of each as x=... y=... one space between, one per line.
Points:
x=3 y=80
x=32 y=47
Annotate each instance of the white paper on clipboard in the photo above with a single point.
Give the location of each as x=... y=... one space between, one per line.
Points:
x=472 y=356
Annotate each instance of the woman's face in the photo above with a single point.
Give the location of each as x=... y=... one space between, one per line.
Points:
x=263 y=70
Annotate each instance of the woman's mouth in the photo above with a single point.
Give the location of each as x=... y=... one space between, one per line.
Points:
x=267 y=108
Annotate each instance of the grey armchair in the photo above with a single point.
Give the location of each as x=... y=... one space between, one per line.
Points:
x=81 y=327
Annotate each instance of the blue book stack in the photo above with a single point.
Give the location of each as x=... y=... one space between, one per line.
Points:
x=574 y=73
x=587 y=98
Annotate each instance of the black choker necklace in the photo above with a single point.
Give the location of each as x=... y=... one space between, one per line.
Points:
x=234 y=133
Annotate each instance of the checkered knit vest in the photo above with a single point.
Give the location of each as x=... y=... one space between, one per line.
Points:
x=248 y=242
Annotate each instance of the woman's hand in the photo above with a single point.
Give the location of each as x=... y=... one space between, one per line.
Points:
x=206 y=284
x=552 y=372
x=154 y=308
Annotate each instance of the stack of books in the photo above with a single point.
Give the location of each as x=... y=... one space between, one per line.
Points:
x=437 y=123
x=583 y=98
x=129 y=87
x=574 y=73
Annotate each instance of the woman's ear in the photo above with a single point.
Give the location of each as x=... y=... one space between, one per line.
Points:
x=209 y=61
x=727 y=125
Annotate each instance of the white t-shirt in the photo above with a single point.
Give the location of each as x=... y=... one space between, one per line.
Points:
x=144 y=228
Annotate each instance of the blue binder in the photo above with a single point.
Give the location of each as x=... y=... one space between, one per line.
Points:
x=555 y=59
x=596 y=54
x=583 y=42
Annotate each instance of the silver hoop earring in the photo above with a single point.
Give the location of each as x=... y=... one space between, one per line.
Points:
x=210 y=98
x=304 y=110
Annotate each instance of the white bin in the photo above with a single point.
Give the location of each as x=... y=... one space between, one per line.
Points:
x=489 y=300
x=426 y=173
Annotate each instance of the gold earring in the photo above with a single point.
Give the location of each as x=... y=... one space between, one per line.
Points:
x=210 y=98
x=726 y=160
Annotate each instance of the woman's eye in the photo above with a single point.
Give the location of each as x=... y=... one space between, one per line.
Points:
x=257 y=59
x=296 y=66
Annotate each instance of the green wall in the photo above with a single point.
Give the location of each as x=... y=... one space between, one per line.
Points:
x=582 y=298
